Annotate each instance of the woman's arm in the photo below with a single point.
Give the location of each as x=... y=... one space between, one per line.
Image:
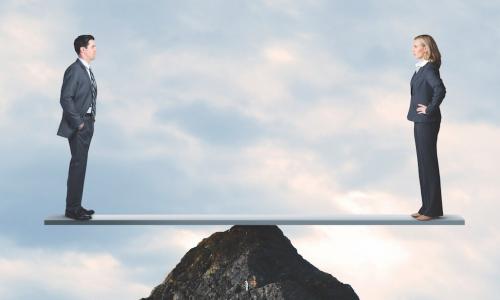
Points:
x=434 y=80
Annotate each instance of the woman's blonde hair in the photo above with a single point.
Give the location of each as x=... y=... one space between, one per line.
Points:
x=432 y=54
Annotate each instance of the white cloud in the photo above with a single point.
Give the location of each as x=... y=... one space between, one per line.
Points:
x=31 y=69
x=30 y=49
x=68 y=273
x=176 y=240
x=301 y=88
x=403 y=263
x=279 y=55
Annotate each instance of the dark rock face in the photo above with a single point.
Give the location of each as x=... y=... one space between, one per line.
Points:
x=248 y=262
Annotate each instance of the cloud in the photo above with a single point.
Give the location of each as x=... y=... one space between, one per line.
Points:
x=409 y=263
x=315 y=94
x=177 y=240
x=68 y=274
x=279 y=55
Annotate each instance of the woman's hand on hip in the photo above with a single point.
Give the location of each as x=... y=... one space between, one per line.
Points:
x=421 y=109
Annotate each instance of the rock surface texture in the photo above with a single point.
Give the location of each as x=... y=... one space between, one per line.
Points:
x=248 y=262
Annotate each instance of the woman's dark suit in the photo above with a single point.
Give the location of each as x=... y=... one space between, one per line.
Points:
x=428 y=89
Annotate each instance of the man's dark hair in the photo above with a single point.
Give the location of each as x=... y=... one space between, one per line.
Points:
x=82 y=41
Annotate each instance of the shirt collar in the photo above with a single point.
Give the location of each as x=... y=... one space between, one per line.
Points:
x=84 y=63
x=421 y=63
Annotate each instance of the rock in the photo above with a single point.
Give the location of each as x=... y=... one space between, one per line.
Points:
x=219 y=265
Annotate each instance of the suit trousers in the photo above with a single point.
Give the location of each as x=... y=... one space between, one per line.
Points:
x=79 y=144
x=426 y=134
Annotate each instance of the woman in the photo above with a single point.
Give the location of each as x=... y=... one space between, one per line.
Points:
x=427 y=93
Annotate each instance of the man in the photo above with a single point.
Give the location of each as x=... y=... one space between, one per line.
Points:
x=78 y=101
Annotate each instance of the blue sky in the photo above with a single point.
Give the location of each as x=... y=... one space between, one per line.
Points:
x=248 y=107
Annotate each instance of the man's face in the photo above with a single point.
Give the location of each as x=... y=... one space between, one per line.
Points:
x=89 y=52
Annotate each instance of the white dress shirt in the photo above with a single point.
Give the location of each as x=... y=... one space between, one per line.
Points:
x=420 y=64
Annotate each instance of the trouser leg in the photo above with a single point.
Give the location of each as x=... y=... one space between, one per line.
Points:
x=79 y=144
x=430 y=182
x=418 y=145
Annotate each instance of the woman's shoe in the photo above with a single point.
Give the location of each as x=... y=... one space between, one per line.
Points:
x=424 y=218
x=416 y=215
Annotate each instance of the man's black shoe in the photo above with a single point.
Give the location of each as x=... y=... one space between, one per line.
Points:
x=80 y=215
x=88 y=211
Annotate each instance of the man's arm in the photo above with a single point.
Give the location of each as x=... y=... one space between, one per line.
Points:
x=68 y=91
x=438 y=88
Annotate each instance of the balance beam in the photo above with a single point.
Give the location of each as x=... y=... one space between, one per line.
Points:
x=254 y=219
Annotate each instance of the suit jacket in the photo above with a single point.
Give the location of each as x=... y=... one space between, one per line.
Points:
x=428 y=89
x=76 y=97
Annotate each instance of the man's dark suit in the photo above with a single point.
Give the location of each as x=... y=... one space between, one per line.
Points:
x=428 y=89
x=76 y=98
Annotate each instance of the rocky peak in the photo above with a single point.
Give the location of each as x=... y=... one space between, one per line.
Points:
x=248 y=262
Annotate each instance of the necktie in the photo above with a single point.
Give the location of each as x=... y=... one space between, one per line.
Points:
x=94 y=92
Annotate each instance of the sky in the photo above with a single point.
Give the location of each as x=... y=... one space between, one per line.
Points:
x=261 y=107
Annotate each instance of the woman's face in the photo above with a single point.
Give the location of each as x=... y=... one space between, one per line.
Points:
x=419 y=49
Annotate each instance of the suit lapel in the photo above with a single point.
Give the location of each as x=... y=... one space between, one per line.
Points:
x=413 y=77
x=417 y=75
x=84 y=69
x=86 y=76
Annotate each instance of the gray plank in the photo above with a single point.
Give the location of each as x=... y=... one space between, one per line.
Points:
x=254 y=219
